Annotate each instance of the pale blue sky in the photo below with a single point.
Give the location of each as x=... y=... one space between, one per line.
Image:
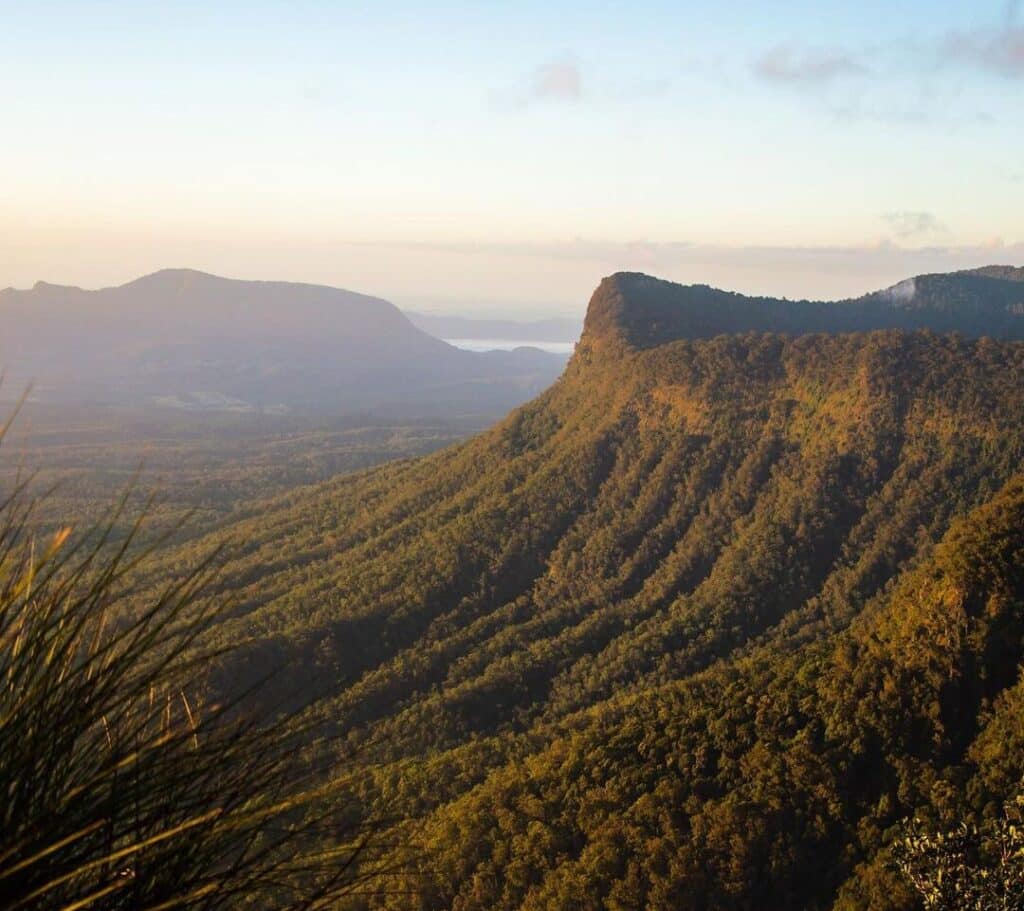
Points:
x=503 y=156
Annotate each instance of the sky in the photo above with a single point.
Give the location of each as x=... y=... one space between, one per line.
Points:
x=499 y=158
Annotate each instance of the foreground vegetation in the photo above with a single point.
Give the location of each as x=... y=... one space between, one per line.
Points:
x=972 y=868
x=125 y=785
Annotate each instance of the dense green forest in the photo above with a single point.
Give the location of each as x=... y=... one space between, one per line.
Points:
x=201 y=467
x=699 y=627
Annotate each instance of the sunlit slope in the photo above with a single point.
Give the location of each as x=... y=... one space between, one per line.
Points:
x=620 y=647
x=731 y=478
x=771 y=780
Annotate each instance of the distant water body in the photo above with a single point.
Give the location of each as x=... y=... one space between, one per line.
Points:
x=507 y=344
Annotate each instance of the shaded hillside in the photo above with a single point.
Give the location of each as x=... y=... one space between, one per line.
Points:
x=646 y=311
x=195 y=341
x=677 y=632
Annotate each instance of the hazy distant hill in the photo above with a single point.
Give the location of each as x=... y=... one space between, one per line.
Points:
x=697 y=627
x=190 y=339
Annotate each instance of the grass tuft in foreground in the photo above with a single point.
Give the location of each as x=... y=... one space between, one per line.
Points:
x=123 y=785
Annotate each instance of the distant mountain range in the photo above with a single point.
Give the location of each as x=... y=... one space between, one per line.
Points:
x=193 y=340
x=698 y=627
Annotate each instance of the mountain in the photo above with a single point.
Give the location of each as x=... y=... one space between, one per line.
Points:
x=526 y=331
x=989 y=300
x=696 y=628
x=189 y=339
x=646 y=311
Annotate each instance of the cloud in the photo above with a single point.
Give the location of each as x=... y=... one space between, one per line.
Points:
x=785 y=65
x=558 y=80
x=914 y=225
x=908 y=80
x=998 y=50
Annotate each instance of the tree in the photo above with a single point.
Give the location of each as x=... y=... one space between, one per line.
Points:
x=973 y=868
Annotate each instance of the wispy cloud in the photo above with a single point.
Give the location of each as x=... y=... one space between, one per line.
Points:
x=998 y=50
x=807 y=67
x=564 y=81
x=557 y=81
x=908 y=81
x=914 y=226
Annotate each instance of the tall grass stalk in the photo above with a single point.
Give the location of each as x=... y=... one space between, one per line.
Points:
x=122 y=784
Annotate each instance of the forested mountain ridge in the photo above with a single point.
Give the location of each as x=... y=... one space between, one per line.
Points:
x=647 y=311
x=696 y=628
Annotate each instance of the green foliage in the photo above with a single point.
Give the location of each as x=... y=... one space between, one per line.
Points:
x=123 y=787
x=972 y=868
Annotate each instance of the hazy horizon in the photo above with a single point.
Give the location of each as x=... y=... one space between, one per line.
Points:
x=499 y=161
x=757 y=272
